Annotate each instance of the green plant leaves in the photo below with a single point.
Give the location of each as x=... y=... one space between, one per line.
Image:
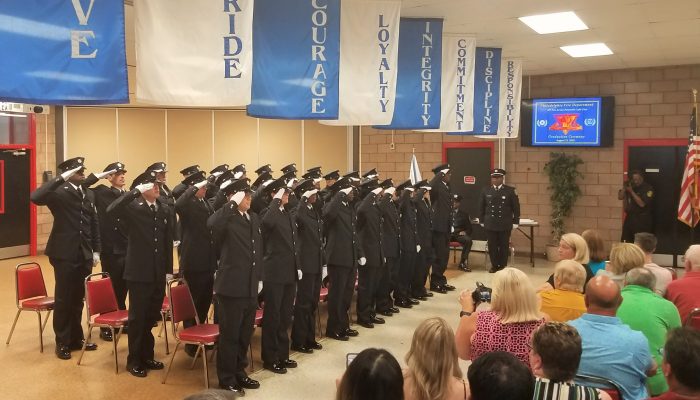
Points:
x=562 y=170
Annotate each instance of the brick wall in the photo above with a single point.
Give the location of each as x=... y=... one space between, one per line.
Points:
x=650 y=103
x=45 y=161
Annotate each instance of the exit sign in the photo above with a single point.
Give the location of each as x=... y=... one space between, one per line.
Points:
x=469 y=180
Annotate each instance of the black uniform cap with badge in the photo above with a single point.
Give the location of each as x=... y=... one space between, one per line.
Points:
x=367 y=185
x=263 y=169
x=422 y=185
x=405 y=184
x=279 y=183
x=262 y=178
x=497 y=172
x=312 y=173
x=333 y=175
x=372 y=173
x=304 y=186
x=157 y=167
x=145 y=177
x=289 y=168
x=194 y=178
x=232 y=186
x=72 y=163
x=227 y=175
x=441 y=169
x=239 y=170
x=117 y=167
x=387 y=183
x=456 y=197
x=192 y=169
x=220 y=169
x=342 y=183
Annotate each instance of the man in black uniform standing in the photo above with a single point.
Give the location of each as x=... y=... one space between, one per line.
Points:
x=499 y=214
x=461 y=232
x=73 y=249
x=149 y=257
x=370 y=234
x=238 y=241
x=441 y=205
x=426 y=256
x=409 y=245
x=197 y=256
x=391 y=245
x=637 y=197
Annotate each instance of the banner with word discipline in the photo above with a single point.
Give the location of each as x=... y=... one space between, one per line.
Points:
x=487 y=77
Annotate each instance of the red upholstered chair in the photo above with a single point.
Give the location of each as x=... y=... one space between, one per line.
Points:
x=322 y=298
x=103 y=311
x=455 y=247
x=164 y=315
x=201 y=335
x=604 y=384
x=256 y=324
x=693 y=319
x=30 y=295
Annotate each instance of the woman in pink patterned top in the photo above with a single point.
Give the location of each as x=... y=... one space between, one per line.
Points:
x=508 y=326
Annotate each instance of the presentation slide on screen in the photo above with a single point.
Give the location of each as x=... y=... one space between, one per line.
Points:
x=561 y=122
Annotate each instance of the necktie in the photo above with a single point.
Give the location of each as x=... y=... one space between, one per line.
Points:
x=153 y=208
x=80 y=191
x=247 y=217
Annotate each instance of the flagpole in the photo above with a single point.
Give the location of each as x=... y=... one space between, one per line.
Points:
x=692 y=214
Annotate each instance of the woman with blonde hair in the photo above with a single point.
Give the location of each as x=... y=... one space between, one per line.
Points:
x=623 y=257
x=565 y=302
x=433 y=371
x=572 y=246
x=507 y=326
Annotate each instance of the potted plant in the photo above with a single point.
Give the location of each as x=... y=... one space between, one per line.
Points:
x=562 y=170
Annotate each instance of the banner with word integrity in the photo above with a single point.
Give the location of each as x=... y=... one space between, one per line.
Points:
x=369 y=49
x=297 y=57
x=63 y=52
x=194 y=53
x=487 y=76
x=418 y=82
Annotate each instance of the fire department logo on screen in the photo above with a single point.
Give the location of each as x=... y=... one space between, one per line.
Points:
x=565 y=123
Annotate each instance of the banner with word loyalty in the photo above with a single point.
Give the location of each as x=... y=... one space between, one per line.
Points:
x=194 y=53
x=297 y=57
x=418 y=81
x=63 y=52
x=369 y=49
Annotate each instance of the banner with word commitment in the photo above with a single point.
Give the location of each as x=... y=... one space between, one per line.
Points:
x=63 y=52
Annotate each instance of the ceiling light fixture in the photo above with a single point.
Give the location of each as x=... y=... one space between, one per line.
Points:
x=554 y=23
x=587 y=50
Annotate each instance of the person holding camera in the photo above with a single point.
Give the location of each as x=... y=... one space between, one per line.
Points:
x=636 y=196
x=507 y=326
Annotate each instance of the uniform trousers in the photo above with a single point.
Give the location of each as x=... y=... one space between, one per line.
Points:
x=340 y=278
x=420 y=272
x=441 y=247
x=367 y=283
x=406 y=269
x=388 y=275
x=466 y=242
x=499 y=247
x=277 y=318
x=305 y=308
x=69 y=293
x=236 y=319
x=145 y=301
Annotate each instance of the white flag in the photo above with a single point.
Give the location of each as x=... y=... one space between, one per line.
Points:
x=511 y=83
x=414 y=171
x=194 y=53
x=369 y=50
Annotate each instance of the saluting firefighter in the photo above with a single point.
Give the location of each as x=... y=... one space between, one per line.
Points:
x=499 y=214
x=441 y=207
x=391 y=245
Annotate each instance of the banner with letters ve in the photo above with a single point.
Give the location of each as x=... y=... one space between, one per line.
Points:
x=63 y=52
x=194 y=53
x=418 y=81
x=297 y=57
x=487 y=76
x=369 y=48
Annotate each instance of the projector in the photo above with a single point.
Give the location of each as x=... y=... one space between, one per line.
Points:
x=25 y=108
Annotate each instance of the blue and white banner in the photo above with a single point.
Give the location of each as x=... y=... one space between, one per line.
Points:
x=194 y=53
x=63 y=52
x=369 y=49
x=297 y=59
x=487 y=77
x=420 y=69
x=509 y=108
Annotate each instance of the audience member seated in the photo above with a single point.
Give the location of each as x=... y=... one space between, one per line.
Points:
x=623 y=257
x=596 y=250
x=554 y=359
x=645 y=311
x=565 y=302
x=213 y=394
x=507 y=326
x=499 y=376
x=647 y=242
x=433 y=371
x=681 y=365
x=685 y=292
x=611 y=349
x=373 y=375
x=572 y=246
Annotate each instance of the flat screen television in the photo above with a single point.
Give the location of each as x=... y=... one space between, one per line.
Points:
x=568 y=122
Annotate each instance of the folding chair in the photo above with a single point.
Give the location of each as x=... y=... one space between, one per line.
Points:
x=30 y=295
x=322 y=298
x=604 y=384
x=164 y=315
x=693 y=319
x=201 y=335
x=256 y=324
x=103 y=311
x=455 y=247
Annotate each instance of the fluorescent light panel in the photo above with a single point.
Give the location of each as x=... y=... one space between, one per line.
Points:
x=554 y=23
x=587 y=50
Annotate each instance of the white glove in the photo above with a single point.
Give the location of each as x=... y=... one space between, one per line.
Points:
x=267 y=182
x=200 y=184
x=452 y=229
x=390 y=191
x=299 y=274
x=362 y=261
x=410 y=189
x=309 y=193
x=346 y=190
x=418 y=248
x=169 y=277
x=70 y=173
x=377 y=190
x=238 y=197
x=515 y=226
x=95 y=258
x=291 y=182
x=103 y=174
x=238 y=175
x=217 y=174
x=260 y=287
x=176 y=243
x=279 y=194
x=482 y=225
x=144 y=187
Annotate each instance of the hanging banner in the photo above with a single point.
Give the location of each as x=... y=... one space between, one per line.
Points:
x=194 y=53
x=297 y=58
x=63 y=52
x=418 y=81
x=369 y=37
x=511 y=83
x=487 y=75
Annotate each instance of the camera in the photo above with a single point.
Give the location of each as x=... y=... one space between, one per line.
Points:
x=482 y=294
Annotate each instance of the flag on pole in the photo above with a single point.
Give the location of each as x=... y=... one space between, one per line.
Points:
x=689 y=203
x=414 y=171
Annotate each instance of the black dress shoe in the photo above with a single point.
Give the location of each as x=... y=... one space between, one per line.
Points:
x=337 y=336
x=153 y=364
x=191 y=350
x=249 y=383
x=438 y=289
x=289 y=363
x=315 y=346
x=413 y=302
x=385 y=313
x=427 y=294
x=403 y=304
x=79 y=346
x=351 y=332
x=366 y=324
x=62 y=352
x=106 y=335
x=419 y=297
x=378 y=320
x=138 y=372
x=464 y=267
x=233 y=388
x=302 y=349
x=395 y=310
x=277 y=368
x=448 y=287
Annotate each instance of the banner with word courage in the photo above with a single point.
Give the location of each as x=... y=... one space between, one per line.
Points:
x=369 y=48
x=194 y=53
x=487 y=77
x=63 y=52
x=511 y=82
x=418 y=82
x=297 y=57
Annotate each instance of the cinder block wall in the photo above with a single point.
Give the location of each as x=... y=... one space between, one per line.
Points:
x=651 y=103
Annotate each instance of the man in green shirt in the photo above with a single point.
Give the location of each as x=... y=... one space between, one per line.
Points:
x=645 y=311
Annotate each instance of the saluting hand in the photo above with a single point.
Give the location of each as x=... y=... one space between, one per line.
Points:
x=66 y=175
